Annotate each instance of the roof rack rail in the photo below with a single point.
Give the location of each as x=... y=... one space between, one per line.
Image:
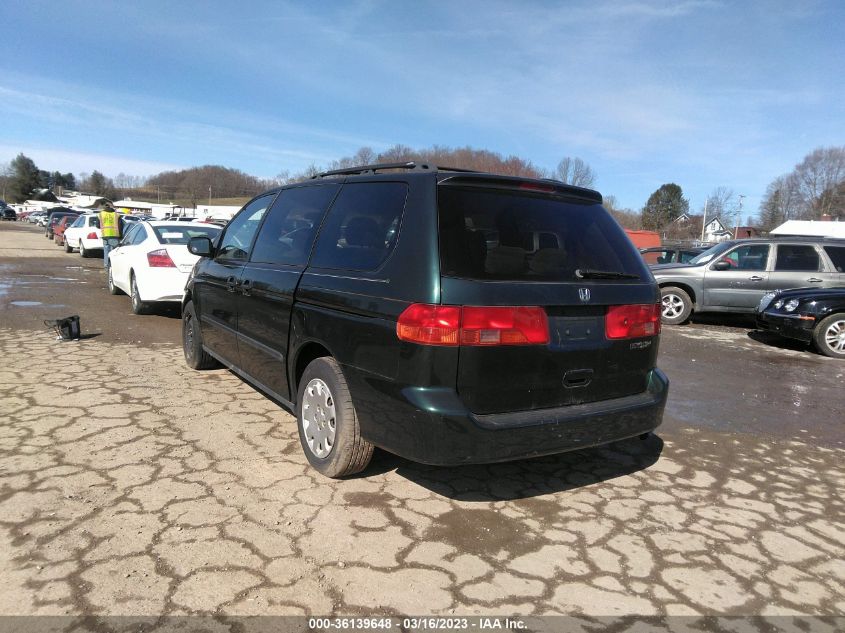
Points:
x=371 y=169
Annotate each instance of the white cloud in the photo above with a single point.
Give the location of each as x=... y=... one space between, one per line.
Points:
x=77 y=162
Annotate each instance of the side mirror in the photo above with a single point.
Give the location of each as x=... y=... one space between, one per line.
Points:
x=200 y=246
x=722 y=265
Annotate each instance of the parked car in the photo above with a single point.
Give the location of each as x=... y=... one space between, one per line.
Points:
x=35 y=217
x=60 y=227
x=84 y=234
x=53 y=219
x=807 y=314
x=733 y=276
x=8 y=213
x=152 y=263
x=670 y=254
x=380 y=309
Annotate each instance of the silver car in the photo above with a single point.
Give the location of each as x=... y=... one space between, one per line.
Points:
x=733 y=276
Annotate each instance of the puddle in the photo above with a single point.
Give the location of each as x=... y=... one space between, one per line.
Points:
x=31 y=304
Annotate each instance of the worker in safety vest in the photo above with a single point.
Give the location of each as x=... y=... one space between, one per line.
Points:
x=110 y=228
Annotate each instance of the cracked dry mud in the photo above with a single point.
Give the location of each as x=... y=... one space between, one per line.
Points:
x=182 y=492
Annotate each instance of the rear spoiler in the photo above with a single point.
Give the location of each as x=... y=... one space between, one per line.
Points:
x=545 y=185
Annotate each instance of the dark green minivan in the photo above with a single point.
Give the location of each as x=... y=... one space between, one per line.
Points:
x=446 y=316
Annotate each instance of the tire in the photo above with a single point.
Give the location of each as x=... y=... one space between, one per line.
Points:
x=113 y=289
x=829 y=336
x=195 y=356
x=82 y=251
x=68 y=247
x=328 y=423
x=677 y=305
x=138 y=306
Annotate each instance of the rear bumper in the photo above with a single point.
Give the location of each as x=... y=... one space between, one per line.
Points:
x=161 y=284
x=792 y=326
x=432 y=426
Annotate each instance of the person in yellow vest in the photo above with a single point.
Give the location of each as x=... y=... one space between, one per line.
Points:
x=110 y=228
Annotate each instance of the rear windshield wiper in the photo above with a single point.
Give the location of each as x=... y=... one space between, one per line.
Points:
x=586 y=273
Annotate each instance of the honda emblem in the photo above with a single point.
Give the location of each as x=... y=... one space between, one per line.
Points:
x=584 y=294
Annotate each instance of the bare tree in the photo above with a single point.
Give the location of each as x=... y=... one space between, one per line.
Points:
x=781 y=202
x=574 y=171
x=817 y=178
x=724 y=204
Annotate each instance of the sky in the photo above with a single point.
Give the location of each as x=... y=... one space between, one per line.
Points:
x=702 y=93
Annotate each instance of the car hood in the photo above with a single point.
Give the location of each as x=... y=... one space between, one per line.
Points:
x=814 y=293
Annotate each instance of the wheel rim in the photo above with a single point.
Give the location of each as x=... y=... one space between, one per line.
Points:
x=136 y=300
x=111 y=281
x=834 y=336
x=188 y=333
x=673 y=306
x=319 y=419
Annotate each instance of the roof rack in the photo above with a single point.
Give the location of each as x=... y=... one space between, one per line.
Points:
x=371 y=169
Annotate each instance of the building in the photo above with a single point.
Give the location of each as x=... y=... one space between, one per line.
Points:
x=811 y=228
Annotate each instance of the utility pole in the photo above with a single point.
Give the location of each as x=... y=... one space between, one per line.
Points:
x=209 y=197
x=704 y=220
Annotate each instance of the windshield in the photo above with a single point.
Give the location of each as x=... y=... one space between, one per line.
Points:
x=710 y=253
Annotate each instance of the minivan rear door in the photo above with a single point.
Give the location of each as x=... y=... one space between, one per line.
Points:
x=507 y=242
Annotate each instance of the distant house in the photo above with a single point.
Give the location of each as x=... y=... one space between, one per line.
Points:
x=741 y=232
x=688 y=227
x=716 y=231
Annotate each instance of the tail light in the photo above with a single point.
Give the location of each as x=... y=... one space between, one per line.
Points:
x=91 y=236
x=473 y=325
x=632 y=321
x=160 y=259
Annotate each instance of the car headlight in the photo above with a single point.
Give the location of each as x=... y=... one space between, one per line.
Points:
x=791 y=305
x=778 y=304
x=764 y=302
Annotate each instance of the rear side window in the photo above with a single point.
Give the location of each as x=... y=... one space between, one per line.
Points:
x=362 y=226
x=513 y=235
x=287 y=235
x=837 y=256
x=797 y=257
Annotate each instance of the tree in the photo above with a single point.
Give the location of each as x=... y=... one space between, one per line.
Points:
x=780 y=203
x=574 y=171
x=722 y=203
x=627 y=218
x=816 y=180
x=24 y=180
x=98 y=183
x=663 y=206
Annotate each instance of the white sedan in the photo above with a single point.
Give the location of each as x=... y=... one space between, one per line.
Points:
x=152 y=262
x=84 y=234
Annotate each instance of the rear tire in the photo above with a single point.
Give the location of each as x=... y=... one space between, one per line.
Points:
x=829 y=336
x=68 y=247
x=82 y=251
x=677 y=305
x=138 y=306
x=328 y=423
x=195 y=356
x=113 y=289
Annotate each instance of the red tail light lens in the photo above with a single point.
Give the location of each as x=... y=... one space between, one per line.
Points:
x=473 y=325
x=160 y=259
x=429 y=324
x=91 y=236
x=632 y=321
x=504 y=326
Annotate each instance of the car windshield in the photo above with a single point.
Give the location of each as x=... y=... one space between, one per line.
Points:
x=710 y=253
x=180 y=234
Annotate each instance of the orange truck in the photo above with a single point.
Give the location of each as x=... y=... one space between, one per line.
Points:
x=644 y=239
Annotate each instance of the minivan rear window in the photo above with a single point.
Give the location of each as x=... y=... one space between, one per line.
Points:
x=502 y=234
